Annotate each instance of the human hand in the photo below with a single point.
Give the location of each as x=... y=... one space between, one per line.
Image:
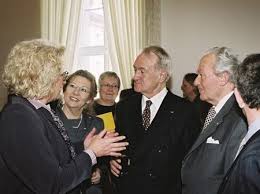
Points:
x=115 y=166
x=89 y=137
x=103 y=145
x=96 y=176
x=111 y=134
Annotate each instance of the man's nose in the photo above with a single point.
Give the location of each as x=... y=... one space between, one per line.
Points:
x=136 y=75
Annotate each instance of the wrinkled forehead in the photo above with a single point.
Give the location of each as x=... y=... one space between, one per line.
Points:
x=146 y=60
x=207 y=62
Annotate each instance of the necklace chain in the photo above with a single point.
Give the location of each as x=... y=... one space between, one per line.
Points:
x=76 y=127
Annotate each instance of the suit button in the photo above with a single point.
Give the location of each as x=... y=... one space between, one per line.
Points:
x=152 y=176
x=159 y=151
x=225 y=179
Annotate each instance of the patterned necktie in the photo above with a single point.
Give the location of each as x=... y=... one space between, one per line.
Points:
x=63 y=132
x=147 y=114
x=211 y=114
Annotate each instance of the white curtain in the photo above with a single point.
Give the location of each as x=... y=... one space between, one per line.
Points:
x=60 y=24
x=153 y=22
x=130 y=26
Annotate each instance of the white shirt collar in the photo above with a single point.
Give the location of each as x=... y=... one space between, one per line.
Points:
x=223 y=101
x=156 y=102
x=252 y=129
x=38 y=104
x=156 y=99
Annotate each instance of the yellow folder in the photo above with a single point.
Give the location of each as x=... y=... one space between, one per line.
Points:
x=108 y=119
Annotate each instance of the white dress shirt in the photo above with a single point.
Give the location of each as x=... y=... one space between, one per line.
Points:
x=156 y=102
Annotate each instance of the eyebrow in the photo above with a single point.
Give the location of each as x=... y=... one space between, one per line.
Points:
x=78 y=85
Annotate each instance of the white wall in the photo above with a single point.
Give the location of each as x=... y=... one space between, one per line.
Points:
x=190 y=27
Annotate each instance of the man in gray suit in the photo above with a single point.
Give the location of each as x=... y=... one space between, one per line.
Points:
x=213 y=152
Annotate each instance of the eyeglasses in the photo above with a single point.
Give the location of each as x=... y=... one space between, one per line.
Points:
x=81 y=89
x=109 y=86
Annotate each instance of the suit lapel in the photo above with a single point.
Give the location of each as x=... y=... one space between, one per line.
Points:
x=230 y=170
x=211 y=128
x=161 y=119
x=165 y=113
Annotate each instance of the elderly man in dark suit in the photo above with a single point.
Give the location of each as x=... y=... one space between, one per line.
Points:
x=213 y=152
x=159 y=126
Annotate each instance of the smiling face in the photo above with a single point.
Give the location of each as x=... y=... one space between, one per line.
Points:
x=149 y=79
x=77 y=93
x=108 y=90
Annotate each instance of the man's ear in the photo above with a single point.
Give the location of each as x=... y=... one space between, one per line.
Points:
x=163 y=76
x=224 y=78
x=239 y=99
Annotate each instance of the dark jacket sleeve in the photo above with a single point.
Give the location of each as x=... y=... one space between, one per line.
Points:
x=27 y=147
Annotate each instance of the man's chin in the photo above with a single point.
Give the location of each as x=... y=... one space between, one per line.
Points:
x=137 y=89
x=202 y=98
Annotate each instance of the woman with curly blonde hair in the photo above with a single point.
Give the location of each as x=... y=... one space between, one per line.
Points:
x=36 y=154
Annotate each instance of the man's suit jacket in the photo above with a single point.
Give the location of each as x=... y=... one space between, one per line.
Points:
x=214 y=150
x=126 y=93
x=34 y=156
x=155 y=154
x=244 y=175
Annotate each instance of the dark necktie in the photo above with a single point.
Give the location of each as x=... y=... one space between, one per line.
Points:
x=63 y=132
x=210 y=116
x=147 y=114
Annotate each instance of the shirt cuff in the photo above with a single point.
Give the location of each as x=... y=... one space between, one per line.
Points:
x=92 y=156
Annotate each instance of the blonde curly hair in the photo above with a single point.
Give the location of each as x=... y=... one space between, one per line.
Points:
x=32 y=68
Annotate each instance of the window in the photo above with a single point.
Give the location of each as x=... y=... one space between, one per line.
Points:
x=91 y=44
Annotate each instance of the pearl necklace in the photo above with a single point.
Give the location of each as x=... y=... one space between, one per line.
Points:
x=76 y=127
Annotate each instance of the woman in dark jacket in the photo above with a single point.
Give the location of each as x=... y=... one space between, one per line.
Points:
x=36 y=154
x=76 y=112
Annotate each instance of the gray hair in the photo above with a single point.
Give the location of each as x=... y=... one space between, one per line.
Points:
x=226 y=61
x=164 y=59
x=109 y=74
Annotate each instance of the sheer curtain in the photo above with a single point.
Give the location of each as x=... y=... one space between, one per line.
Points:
x=153 y=22
x=130 y=25
x=59 y=24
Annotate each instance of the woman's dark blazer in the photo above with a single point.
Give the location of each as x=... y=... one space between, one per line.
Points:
x=90 y=123
x=34 y=156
